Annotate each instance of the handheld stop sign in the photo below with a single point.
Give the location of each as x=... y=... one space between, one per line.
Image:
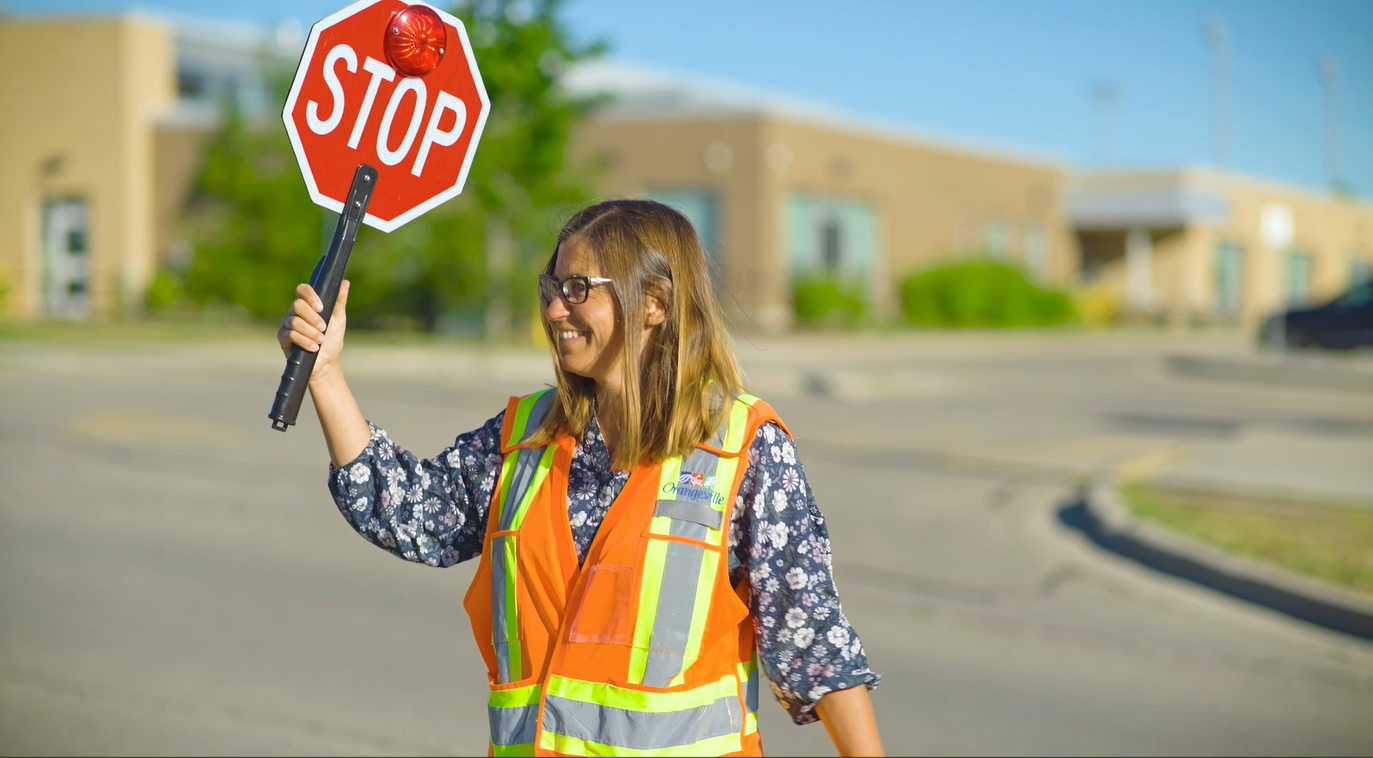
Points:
x=384 y=115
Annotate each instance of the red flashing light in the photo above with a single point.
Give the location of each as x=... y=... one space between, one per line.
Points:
x=415 y=40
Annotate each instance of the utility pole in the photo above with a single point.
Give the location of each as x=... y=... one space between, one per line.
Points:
x=1218 y=39
x=1104 y=95
x=1330 y=80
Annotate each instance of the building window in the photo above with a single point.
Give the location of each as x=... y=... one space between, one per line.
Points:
x=1035 y=249
x=830 y=235
x=1298 y=278
x=701 y=209
x=831 y=245
x=65 y=264
x=1228 y=279
x=996 y=238
x=190 y=83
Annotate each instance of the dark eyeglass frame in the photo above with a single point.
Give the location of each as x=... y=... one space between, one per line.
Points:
x=549 y=287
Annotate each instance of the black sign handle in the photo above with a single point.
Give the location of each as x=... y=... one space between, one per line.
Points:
x=326 y=280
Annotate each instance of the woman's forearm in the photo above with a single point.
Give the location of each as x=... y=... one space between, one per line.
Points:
x=345 y=429
x=847 y=716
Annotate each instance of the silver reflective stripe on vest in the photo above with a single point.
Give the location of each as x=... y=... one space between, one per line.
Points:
x=526 y=464
x=718 y=441
x=513 y=726
x=536 y=415
x=694 y=511
x=498 y=617
x=641 y=730
x=701 y=462
x=672 y=624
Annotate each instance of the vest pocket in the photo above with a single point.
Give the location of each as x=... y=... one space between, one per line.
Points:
x=603 y=614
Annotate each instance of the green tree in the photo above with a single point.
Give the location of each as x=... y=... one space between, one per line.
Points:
x=482 y=249
x=253 y=227
x=256 y=233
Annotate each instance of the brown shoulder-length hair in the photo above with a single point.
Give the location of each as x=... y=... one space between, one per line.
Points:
x=676 y=393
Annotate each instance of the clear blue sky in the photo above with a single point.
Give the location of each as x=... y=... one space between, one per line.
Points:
x=1011 y=72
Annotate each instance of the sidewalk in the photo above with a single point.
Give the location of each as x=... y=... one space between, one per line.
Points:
x=1294 y=465
x=1351 y=372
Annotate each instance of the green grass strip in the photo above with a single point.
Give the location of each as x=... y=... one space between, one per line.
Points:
x=1333 y=543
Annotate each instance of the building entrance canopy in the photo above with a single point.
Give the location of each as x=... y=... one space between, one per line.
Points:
x=1161 y=208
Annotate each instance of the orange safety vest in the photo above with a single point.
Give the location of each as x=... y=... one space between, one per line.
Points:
x=646 y=649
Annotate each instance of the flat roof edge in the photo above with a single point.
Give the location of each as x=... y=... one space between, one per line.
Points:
x=687 y=96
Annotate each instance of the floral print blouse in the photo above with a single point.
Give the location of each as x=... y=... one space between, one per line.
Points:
x=434 y=512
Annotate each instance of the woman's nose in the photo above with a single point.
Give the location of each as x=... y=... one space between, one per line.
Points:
x=556 y=309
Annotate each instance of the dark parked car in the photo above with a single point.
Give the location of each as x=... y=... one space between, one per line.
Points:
x=1341 y=324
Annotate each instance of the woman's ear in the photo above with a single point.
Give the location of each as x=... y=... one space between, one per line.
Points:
x=656 y=304
x=654 y=312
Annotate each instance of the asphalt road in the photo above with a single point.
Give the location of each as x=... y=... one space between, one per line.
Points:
x=175 y=580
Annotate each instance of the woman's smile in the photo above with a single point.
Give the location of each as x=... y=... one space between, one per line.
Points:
x=568 y=336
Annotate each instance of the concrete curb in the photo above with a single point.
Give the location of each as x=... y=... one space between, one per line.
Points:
x=1103 y=517
x=1051 y=520
x=1293 y=371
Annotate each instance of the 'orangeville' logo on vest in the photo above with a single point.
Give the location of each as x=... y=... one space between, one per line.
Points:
x=694 y=486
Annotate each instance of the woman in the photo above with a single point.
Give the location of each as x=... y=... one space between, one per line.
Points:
x=647 y=540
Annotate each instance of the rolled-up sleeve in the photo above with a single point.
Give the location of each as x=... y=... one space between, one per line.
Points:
x=806 y=646
x=427 y=511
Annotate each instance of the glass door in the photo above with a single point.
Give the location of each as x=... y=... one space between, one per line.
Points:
x=1298 y=278
x=1228 y=279
x=65 y=266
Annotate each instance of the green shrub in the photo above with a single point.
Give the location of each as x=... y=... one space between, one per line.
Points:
x=163 y=291
x=819 y=300
x=981 y=293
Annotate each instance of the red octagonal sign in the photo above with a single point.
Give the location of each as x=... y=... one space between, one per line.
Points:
x=348 y=105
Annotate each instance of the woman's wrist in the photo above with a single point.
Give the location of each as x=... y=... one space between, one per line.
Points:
x=326 y=376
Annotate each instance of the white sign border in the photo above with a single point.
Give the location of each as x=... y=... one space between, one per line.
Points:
x=337 y=205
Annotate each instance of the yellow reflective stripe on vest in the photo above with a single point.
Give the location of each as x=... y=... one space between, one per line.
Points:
x=655 y=558
x=738 y=424
x=525 y=474
x=748 y=674
x=601 y=693
x=679 y=577
x=569 y=745
x=514 y=717
x=521 y=474
x=529 y=413
x=590 y=718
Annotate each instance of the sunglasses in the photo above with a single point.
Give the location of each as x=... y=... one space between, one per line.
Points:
x=573 y=289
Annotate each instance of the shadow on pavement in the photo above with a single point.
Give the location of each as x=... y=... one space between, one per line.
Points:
x=1077 y=515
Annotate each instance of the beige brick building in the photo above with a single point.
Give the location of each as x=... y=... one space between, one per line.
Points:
x=777 y=195
x=76 y=151
x=1202 y=245
x=98 y=151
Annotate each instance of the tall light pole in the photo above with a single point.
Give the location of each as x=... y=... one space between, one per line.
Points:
x=1104 y=95
x=1330 y=79
x=1218 y=39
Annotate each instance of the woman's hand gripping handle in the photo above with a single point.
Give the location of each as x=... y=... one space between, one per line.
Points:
x=345 y=429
